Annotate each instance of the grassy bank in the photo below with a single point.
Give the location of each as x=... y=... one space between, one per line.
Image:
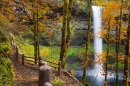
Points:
x=49 y=52
x=53 y=52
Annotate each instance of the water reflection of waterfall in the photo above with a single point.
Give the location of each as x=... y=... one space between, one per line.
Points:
x=95 y=75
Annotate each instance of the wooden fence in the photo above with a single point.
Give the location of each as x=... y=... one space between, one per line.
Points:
x=31 y=61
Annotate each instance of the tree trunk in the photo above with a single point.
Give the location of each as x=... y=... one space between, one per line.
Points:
x=69 y=32
x=108 y=45
x=87 y=43
x=35 y=40
x=35 y=34
x=66 y=31
x=38 y=51
x=1 y=4
x=127 y=55
x=63 y=40
x=117 y=52
x=118 y=41
x=84 y=75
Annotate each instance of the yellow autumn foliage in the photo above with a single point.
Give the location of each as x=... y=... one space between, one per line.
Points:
x=4 y=21
x=104 y=55
x=103 y=33
x=45 y=52
x=101 y=2
x=23 y=16
x=42 y=27
x=110 y=12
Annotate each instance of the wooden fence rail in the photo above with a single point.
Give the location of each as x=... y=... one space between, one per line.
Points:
x=31 y=61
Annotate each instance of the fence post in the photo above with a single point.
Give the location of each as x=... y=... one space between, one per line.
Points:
x=22 y=59
x=48 y=84
x=59 y=67
x=17 y=53
x=45 y=74
x=39 y=61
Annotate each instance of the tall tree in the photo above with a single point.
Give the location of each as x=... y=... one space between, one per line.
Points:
x=127 y=54
x=109 y=18
x=35 y=26
x=117 y=52
x=66 y=30
x=32 y=14
x=118 y=32
x=87 y=42
x=108 y=45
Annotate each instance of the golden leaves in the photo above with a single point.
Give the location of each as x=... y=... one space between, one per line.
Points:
x=4 y=21
x=99 y=58
x=104 y=54
x=60 y=19
x=42 y=26
x=110 y=12
x=101 y=2
x=45 y=52
x=12 y=18
x=103 y=32
x=23 y=16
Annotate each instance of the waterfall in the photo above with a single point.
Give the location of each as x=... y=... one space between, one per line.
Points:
x=97 y=24
x=95 y=75
x=97 y=17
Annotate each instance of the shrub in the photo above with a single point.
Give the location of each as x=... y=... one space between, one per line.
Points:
x=6 y=67
x=45 y=52
x=58 y=82
x=6 y=71
x=5 y=49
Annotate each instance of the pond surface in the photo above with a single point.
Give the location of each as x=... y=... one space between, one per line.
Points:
x=95 y=77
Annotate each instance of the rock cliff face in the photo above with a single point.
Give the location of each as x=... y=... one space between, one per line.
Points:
x=79 y=35
x=78 y=38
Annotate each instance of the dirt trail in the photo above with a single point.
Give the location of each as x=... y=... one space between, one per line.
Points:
x=27 y=75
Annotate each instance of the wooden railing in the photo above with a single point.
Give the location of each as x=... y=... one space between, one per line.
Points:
x=31 y=61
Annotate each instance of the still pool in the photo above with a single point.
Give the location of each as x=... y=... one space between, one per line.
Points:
x=95 y=77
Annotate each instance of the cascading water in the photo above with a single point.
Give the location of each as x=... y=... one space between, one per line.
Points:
x=97 y=10
x=97 y=71
x=95 y=75
x=97 y=24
